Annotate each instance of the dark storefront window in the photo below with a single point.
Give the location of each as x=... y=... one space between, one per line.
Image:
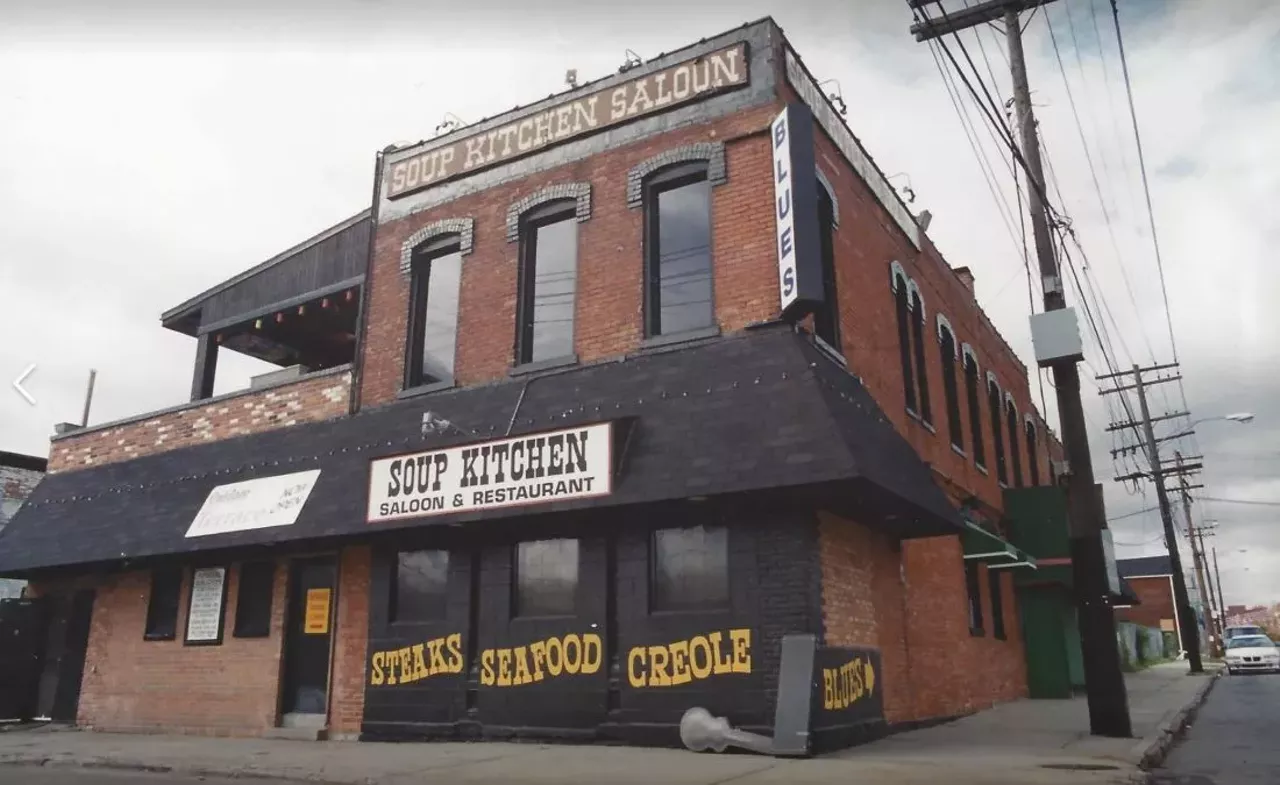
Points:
x=973 y=587
x=691 y=568
x=826 y=319
x=949 y=387
x=922 y=371
x=997 y=604
x=678 y=251
x=162 y=606
x=546 y=579
x=548 y=282
x=253 y=599
x=433 y=321
x=971 y=391
x=419 y=589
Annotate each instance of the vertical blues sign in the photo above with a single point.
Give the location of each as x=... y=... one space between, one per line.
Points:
x=795 y=188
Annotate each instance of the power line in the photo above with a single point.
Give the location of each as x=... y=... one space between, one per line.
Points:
x=1254 y=502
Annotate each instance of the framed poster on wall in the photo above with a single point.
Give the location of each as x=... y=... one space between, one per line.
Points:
x=204 y=608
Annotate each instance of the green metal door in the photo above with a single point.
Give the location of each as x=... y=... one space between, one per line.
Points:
x=1045 y=616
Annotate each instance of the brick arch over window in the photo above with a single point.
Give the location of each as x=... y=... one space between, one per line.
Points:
x=914 y=295
x=711 y=152
x=580 y=193
x=945 y=324
x=896 y=274
x=463 y=227
x=967 y=352
x=825 y=184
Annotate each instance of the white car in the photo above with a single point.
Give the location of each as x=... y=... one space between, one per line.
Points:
x=1242 y=629
x=1252 y=653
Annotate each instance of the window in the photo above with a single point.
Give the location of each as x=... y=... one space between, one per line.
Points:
x=917 y=338
x=548 y=283
x=1015 y=455
x=546 y=578
x=903 y=307
x=997 y=436
x=162 y=605
x=947 y=348
x=253 y=599
x=997 y=604
x=678 y=251
x=690 y=568
x=971 y=388
x=419 y=586
x=826 y=320
x=1033 y=465
x=433 y=322
x=973 y=587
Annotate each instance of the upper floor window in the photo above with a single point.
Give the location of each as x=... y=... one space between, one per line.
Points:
x=548 y=282
x=678 y=273
x=902 y=305
x=971 y=389
x=948 y=350
x=826 y=320
x=1015 y=454
x=917 y=339
x=997 y=436
x=1033 y=465
x=435 y=283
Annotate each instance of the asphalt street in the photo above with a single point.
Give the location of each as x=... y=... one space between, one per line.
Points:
x=61 y=775
x=1233 y=738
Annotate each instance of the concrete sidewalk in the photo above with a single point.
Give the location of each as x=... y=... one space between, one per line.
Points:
x=1024 y=742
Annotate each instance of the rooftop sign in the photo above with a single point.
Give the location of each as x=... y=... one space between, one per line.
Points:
x=659 y=91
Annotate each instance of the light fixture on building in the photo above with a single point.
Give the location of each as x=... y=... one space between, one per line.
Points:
x=449 y=123
x=836 y=97
x=906 y=189
x=924 y=219
x=632 y=61
x=571 y=78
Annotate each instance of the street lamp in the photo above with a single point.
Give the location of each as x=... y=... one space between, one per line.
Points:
x=1240 y=417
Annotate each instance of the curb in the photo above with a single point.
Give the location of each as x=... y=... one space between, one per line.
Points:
x=1150 y=754
x=230 y=773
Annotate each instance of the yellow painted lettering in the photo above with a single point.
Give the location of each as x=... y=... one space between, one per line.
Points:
x=486 y=667
x=658 y=676
x=393 y=665
x=521 y=657
x=376 y=676
x=723 y=662
x=591 y=652
x=741 y=650
x=572 y=662
x=454 y=644
x=436 y=648
x=701 y=670
x=538 y=653
x=419 y=665
x=555 y=656
x=828 y=689
x=680 y=663
x=635 y=667
x=504 y=667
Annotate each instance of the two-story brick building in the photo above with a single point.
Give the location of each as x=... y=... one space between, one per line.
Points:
x=599 y=399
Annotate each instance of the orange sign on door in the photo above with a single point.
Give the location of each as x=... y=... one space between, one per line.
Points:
x=316 y=621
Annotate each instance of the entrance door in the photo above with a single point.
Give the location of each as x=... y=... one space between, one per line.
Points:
x=309 y=624
x=66 y=645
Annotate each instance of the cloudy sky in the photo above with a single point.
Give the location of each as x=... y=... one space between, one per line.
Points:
x=150 y=151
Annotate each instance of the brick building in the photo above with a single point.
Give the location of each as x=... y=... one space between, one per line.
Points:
x=19 y=475
x=600 y=399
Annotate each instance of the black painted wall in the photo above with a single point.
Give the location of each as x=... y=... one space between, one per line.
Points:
x=774 y=589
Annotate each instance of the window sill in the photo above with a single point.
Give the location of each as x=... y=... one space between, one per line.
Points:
x=980 y=468
x=830 y=351
x=425 y=389
x=524 y=369
x=674 y=339
x=1003 y=486
x=928 y=426
x=958 y=450
x=160 y=636
x=707 y=611
x=912 y=414
x=977 y=632
x=1001 y=637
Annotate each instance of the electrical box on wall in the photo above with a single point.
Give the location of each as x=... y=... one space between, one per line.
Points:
x=1056 y=336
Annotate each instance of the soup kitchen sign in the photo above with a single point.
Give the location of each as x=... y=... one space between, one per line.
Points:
x=573 y=463
x=684 y=83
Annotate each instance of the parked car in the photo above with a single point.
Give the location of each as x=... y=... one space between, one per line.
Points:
x=1242 y=629
x=1252 y=653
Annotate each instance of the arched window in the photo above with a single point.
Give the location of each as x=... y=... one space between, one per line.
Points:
x=678 y=272
x=972 y=387
x=997 y=435
x=1033 y=465
x=917 y=339
x=903 y=307
x=435 y=282
x=826 y=319
x=547 y=282
x=948 y=349
x=1015 y=458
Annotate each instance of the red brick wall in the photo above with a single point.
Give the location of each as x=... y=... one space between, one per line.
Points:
x=321 y=397
x=132 y=684
x=346 y=702
x=610 y=263
x=1156 y=598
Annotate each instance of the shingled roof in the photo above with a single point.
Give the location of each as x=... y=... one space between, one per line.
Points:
x=1144 y=566
x=760 y=410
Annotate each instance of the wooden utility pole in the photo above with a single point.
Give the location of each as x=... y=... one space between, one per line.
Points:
x=1104 y=681
x=1215 y=608
x=1222 y=598
x=1182 y=603
x=1191 y=538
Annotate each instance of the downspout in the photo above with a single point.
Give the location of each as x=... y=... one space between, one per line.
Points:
x=362 y=314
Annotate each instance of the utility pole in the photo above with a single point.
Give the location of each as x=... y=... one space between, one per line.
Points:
x=1191 y=538
x=1222 y=598
x=1107 y=698
x=1215 y=608
x=1182 y=603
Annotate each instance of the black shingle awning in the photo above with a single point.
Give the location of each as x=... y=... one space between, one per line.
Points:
x=762 y=410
